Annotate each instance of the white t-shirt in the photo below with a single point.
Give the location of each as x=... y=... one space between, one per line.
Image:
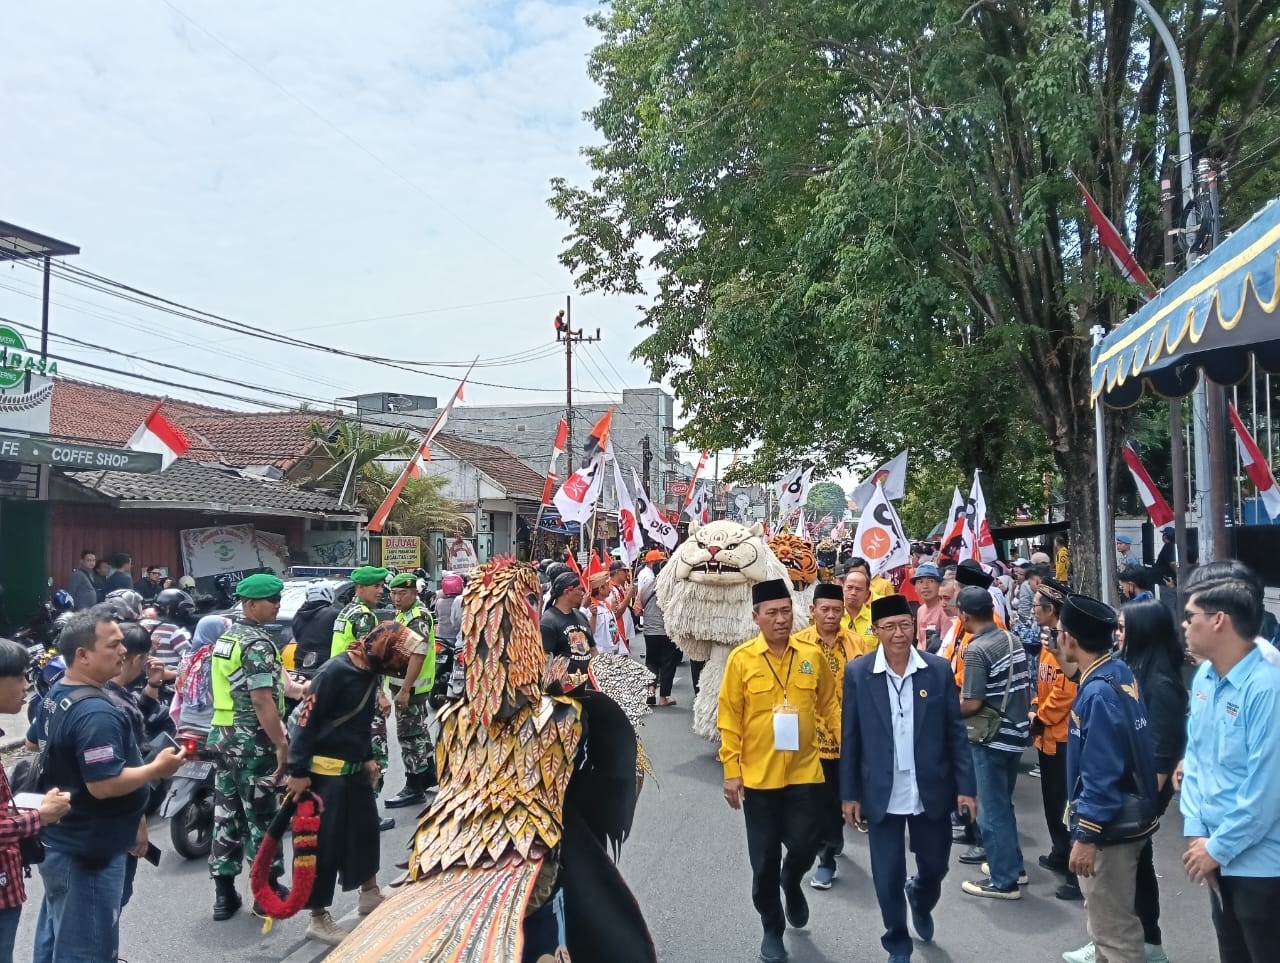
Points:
x=606 y=629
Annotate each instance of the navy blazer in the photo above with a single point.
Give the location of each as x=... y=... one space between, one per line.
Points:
x=944 y=767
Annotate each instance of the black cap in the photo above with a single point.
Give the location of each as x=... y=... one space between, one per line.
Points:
x=563 y=583
x=888 y=606
x=969 y=572
x=1089 y=621
x=828 y=590
x=973 y=600
x=773 y=589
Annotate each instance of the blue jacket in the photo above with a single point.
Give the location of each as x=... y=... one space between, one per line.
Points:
x=1100 y=763
x=944 y=765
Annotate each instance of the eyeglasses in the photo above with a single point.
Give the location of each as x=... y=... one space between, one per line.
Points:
x=895 y=628
x=1189 y=615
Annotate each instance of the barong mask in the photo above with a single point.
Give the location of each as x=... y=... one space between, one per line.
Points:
x=502 y=643
x=385 y=650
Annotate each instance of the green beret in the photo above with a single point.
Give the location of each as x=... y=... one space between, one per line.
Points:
x=404 y=580
x=368 y=575
x=260 y=586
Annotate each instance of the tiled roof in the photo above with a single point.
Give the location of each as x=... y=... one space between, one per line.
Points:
x=511 y=474
x=198 y=485
x=111 y=415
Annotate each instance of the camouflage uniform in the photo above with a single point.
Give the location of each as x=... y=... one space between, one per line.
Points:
x=245 y=794
x=412 y=721
x=355 y=622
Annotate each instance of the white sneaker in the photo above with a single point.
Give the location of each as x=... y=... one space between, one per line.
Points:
x=370 y=900
x=1154 y=953
x=323 y=929
x=1085 y=954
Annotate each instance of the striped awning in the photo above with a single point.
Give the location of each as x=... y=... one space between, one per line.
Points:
x=1215 y=318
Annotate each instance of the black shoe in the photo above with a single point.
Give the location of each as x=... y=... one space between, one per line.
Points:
x=282 y=893
x=1055 y=864
x=922 y=921
x=772 y=949
x=974 y=856
x=385 y=823
x=226 y=901
x=410 y=795
x=1069 y=892
x=797 y=908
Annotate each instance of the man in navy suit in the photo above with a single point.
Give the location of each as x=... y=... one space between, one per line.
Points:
x=904 y=764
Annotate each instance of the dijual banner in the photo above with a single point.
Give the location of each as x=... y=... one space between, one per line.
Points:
x=402 y=551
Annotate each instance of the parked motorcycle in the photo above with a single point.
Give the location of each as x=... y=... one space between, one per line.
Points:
x=448 y=686
x=189 y=803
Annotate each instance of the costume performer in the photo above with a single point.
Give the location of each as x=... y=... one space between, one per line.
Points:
x=798 y=558
x=705 y=594
x=511 y=861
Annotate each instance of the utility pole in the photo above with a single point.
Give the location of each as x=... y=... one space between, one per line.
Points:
x=715 y=489
x=1177 y=455
x=1216 y=404
x=565 y=333
x=646 y=462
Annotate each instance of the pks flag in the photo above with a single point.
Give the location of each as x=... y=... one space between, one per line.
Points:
x=577 y=497
x=424 y=450
x=892 y=475
x=953 y=528
x=1255 y=465
x=598 y=440
x=562 y=439
x=693 y=482
x=1115 y=245
x=793 y=491
x=657 y=527
x=630 y=539
x=699 y=507
x=880 y=538
x=1159 y=510
x=159 y=436
x=977 y=533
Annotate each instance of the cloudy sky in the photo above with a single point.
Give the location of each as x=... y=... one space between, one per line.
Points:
x=369 y=176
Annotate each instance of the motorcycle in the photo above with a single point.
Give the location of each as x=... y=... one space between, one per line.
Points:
x=189 y=803
x=449 y=684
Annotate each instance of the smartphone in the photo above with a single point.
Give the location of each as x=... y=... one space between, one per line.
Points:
x=153 y=854
x=171 y=741
x=966 y=817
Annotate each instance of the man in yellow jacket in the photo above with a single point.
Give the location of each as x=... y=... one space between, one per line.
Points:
x=775 y=689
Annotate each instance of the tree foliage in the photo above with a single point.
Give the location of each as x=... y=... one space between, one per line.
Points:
x=825 y=498
x=863 y=222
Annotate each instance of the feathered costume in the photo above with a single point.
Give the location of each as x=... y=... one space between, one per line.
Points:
x=705 y=594
x=513 y=854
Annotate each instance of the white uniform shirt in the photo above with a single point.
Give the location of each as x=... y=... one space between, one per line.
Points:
x=904 y=800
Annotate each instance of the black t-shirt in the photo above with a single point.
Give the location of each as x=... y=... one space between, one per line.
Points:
x=567 y=634
x=337 y=690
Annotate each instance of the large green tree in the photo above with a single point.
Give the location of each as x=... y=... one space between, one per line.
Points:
x=825 y=498
x=862 y=219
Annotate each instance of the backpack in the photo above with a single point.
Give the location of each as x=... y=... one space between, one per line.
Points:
x=28 y=773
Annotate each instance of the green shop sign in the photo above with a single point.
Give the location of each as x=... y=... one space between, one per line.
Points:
x=16 y=363
x=61 y=454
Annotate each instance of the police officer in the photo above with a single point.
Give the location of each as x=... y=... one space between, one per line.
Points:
x=248 y=740
x=356 y=621
x=411 y=697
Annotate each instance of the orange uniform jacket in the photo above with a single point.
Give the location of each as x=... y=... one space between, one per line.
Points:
x=956 y=652
x=1052 y=703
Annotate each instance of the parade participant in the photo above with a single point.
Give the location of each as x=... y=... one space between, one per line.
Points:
x=248 y=740
x=839 y=647
x=855 y=582
x=1232 y=765
x=565 y=630
x=775 y=689
x=911 y=782
x=600 y=614
x=931 y=615
x=1061 y=559
x=660 y=654
x=968 y=574
x=996 y=690
x=412 y=716
x=1111 y=779
x=332 y=756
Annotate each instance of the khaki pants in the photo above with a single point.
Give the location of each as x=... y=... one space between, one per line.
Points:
x=1108 y=902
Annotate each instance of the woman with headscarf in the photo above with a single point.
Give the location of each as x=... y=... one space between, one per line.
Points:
x=331 y=755
x=192 y=707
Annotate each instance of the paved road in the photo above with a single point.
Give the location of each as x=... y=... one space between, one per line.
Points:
x=687 y=863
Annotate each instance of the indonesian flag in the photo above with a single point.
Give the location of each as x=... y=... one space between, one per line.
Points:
x=824 y=520
x=562 y=439
x=159 y=436
x=630 y=538
x=953 y=534
x=793 y=491
x=693 y=482
x=1114 y=243
x=658 y=528
x=892 y=475
x=1159 y=510
x=880 y=538
x=699 y=507
x=978 y=543
x=1255 y=464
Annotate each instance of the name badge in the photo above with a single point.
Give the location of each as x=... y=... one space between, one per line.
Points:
x=786 y=729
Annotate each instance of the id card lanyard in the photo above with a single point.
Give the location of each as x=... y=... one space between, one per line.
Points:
x=786 y=718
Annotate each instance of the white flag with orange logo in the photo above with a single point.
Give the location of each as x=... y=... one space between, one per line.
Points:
x=880 y=538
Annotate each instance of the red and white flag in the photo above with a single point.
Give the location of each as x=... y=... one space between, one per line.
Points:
x=728 y=486
x=699 y=507
x=562 y=439
x=1115 y=245
x=978 y=543
x=693 y=482
x=160 y=436
x=1255 y=465
x=630 y=538
x=1159 y=510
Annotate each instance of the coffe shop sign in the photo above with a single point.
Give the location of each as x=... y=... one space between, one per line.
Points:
x=36 y=451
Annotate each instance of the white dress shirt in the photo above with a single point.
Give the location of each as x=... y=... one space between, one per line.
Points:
x=904 y=800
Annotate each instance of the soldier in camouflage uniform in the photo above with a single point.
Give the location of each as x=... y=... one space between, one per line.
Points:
x=355 y=622
x=412 y=714
x=248 y=740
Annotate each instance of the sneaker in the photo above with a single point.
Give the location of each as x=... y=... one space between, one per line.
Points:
x=370 y=900
x=1034 y=772
x=984 y=887
x=323 y=929
x=922 y=921
x=1054 y=864
x=822 y=877
x=772 y=949
x=1085 y=954
x=1023 y=879
x=1069 y=892
x=795 y=905
x=1154 y=953
x=974 y=856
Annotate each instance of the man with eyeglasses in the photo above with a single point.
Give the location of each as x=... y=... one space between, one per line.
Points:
x=911 y=782
x=1232 y=765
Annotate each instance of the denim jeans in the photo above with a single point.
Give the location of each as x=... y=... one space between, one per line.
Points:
x=80 y=915
x=996 y=772
x=8 y=931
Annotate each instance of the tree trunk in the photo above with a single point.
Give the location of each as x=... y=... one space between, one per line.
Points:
x=1079 y=482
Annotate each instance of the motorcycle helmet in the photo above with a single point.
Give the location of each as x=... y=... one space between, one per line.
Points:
x=50 y=673
x=320 y=592
x=124 y=604
x=451 y=584
x=175 y=605
x=62 y=601
x=59 y=624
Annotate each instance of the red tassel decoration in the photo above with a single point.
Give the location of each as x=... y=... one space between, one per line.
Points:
x=305 y=813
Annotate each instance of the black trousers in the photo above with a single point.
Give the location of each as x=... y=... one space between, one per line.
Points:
x=1244 y=916
x=830 y=820
x=695 y=671
x=1053 y=792
x=931 y=842
x=661 y=657
x=776 y=818
x=1146 y=893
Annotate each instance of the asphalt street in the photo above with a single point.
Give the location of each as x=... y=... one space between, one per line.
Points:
x=687 y=864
